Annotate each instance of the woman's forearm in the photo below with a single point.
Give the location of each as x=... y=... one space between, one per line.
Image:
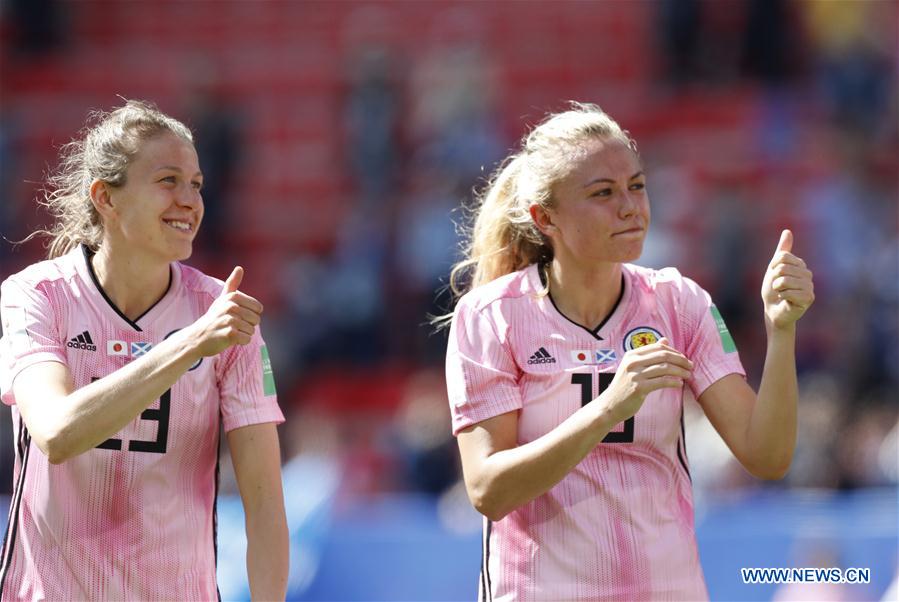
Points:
x=267 y=555
x=772 y=428
x=513 y=477
x=255 y=453
x=88 y=416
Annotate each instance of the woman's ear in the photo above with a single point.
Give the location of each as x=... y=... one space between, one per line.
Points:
x=543 y=220
x=101 y=199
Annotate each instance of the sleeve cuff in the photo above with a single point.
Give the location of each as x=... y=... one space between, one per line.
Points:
x=479 y=414
x=269 y=413
x=26 y=362
x=708 y=375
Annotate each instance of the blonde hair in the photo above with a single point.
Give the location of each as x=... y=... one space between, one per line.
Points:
x=504 y=238
x=108 y=145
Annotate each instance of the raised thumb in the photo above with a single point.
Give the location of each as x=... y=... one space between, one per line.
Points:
x=786 y=242
x=233 y=281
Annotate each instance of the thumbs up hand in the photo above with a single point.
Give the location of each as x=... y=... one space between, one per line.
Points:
x=230 y=320
x=233 y=281
x=787 y=289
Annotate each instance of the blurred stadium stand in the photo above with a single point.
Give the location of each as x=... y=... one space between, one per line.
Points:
x=342 y=135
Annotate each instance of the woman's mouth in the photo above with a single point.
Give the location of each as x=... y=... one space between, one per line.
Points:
x=179 y=225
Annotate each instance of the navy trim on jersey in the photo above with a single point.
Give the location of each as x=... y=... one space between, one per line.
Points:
x=482 y=590
x=595 y=331
x=9 y=541
x=90 y=269
x=488 y=591
x=215 y=508
x=682 y=440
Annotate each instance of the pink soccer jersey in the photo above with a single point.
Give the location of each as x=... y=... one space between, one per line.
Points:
x=134 y=518
x=620 y=525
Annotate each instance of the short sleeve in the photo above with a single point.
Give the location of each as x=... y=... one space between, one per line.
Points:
x=247 y=385
x=30 y=334
x=481 y=375
x=709 y=344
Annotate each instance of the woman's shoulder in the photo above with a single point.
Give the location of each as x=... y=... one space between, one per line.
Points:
x=511 y=286
x=196 y=281
x=665 y=282
x=61 y=268
x=655 y=278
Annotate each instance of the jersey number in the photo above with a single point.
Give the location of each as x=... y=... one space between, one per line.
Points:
x=605 y=378
x=161 y=416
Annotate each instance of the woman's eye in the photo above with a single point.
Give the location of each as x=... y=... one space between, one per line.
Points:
x=197 y=185
x=638 y=186
x=602 y=192
x=168 y=179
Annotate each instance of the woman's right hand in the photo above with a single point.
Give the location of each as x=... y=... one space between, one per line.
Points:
x=642 y=371
x=230 y=320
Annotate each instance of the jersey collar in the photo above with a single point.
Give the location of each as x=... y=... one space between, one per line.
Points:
x=86 y=269
x=537 y=278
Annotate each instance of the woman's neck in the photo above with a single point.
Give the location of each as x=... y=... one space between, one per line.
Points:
x=585 y=294
x=134 y=286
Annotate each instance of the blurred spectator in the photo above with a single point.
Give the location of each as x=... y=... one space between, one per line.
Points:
x=680 y=24
x=861 y=436
x=698 y=43
x=769 y=41
x=880 y=364
x=426 y=446
x=731 y=220
x=453 y=116
x=38 y=25
x=355 y=288
x=853 y=217
x=820 y=413
x=10 y=230
x=855 y=60
x=372 y=122
x=457 y=142
x=335 y=303
x=217 y=134
x=426 y=246
x=848 y=217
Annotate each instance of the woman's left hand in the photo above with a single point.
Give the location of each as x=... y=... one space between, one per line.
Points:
x=787 y=289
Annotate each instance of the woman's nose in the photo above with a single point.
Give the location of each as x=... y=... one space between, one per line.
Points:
x=189 y=196
x=628 y=204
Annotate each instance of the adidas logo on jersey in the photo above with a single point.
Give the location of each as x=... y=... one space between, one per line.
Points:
x=82 y=341
x=541 y=356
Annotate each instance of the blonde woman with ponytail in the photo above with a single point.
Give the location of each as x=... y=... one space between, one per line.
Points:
x=567 y=369
x=123 y=368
